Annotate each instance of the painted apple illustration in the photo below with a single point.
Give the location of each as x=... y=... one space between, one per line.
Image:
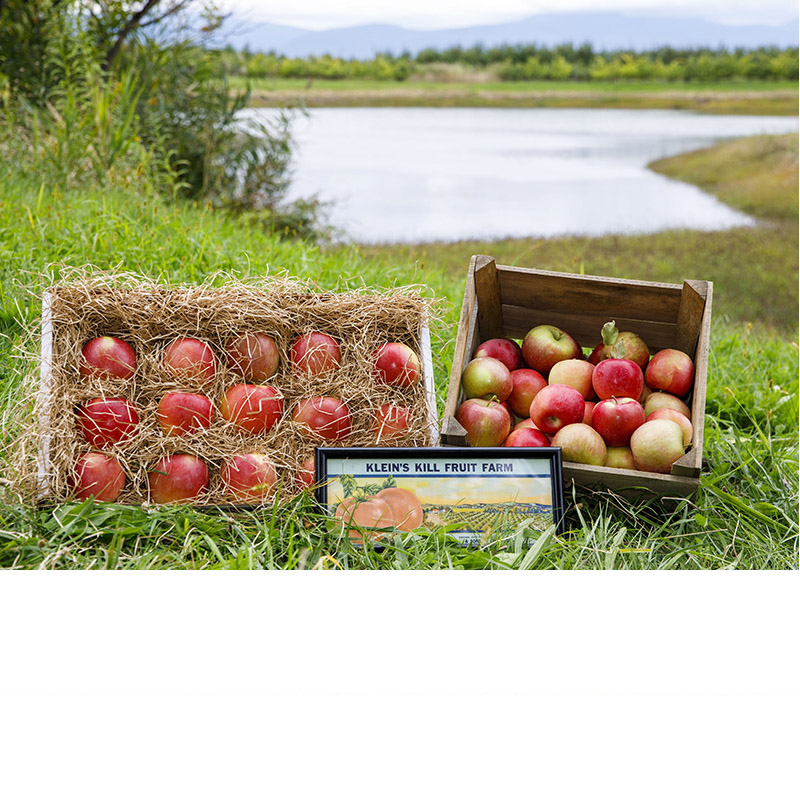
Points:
x=249 y=477
x=405 y=507
x=98 y=476
x=254 y=355
x=397 y=364
x=179 y=477
x=325 y=418
x=253 y=408
x=190 y=359
x=107 y=421
x=182 y=412
x=502 y=349
x=315 y=353
x=108 y=357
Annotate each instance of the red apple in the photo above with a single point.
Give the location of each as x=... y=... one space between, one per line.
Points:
x=189 y=358
x=182 y=412
x=617 y=378
x=620 y=344
x=657 y=445
x=97 y=475
x=660 y=399
x=580 y=444
x=671 y=370
x=254 y=355
x=306 y=475
x=555 y=406
x=502 y=349
x=390 y=422
x=588 y=409
x=397 y=364
x=254 y=408
x=405 y=507
x=525 y=423
x=574 y=372
x=324 y=418
x=526 y=437
x=645 y=394
x=620 y=458
x=106 y=357
x=249 y=477
x=615 y=419
x=545 y=345
x=678 y=419
x=526 y=385
x=487 y=423
x=486 y=378
x=107 y=421
x=315 y=353
x=180 y=477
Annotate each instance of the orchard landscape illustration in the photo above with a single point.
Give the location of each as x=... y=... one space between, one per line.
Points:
x=219 y=256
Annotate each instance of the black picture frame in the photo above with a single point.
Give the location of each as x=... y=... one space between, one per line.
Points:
x=491 y=463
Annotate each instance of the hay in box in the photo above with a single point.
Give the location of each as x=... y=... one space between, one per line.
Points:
x=150 y=317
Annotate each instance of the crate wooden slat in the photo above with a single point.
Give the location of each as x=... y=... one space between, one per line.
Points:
x=504 y=301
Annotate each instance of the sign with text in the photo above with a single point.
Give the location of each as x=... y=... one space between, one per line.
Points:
x=475 y=493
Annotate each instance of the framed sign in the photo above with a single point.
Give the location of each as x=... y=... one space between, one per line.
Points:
x=476 y=492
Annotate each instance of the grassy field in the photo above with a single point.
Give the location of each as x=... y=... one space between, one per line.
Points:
x=734 y=97
x=746 y=510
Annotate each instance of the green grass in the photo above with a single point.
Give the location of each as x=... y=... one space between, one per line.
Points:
x=733 y=97
x=745 y=514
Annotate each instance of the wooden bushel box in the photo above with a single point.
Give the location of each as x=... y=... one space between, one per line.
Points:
x=501 y=301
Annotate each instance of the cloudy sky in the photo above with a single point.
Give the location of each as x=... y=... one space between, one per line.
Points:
x=320 y=14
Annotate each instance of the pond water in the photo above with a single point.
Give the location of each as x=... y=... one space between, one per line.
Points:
x=420 y=174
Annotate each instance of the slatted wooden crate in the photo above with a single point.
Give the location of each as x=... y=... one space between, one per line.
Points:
x=502 y=301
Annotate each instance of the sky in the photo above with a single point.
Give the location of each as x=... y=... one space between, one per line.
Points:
x=321 y=14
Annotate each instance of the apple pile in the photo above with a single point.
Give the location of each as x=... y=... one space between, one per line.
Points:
x=620 y=408
x=200 y=399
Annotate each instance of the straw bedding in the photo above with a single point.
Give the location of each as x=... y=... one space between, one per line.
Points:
x=150 y=316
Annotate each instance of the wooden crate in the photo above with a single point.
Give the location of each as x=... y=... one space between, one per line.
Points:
x=501 y=301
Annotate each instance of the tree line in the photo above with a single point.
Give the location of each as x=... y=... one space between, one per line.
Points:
x=531 y=62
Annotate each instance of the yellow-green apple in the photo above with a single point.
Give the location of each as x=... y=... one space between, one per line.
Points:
x=620 y=457
x=486 y=378
x=190 y=359
x=657 y=445
x=306 y=475
x=108 y=357
x=620 y=344
x=390 y=421
x=104 y=422
x=249 y=477
x=254 y=408
x=545 y=345
x=405 y=507
x=397 y=364
x=526 y=385
x=182 y=412
x=678 y=418
x=326 y=418
x=588 y=409
x=526 y=437
x=254 y=355
x=574 y=372
x=671 y=370
x=617 y=377
x=580 y=444
x=98 y=476
x=487 y=423
x=315 y=353
x=502 y=349
x=179 y=477
x=555 y=406
x=661 y=399
x=615 y=419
